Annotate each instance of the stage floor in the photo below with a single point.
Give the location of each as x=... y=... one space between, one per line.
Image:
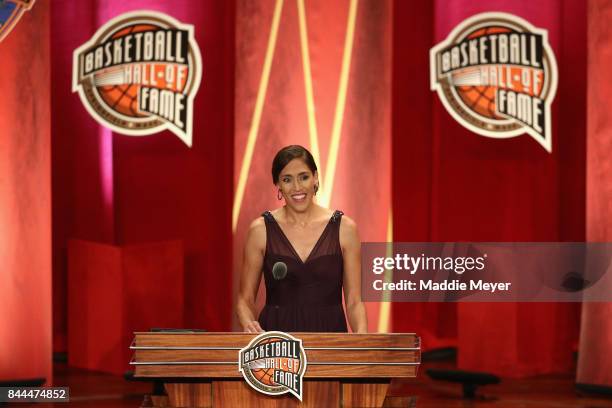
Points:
x=92 y=389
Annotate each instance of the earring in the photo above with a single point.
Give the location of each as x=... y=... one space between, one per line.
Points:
x=279 y=195
x=316 y=188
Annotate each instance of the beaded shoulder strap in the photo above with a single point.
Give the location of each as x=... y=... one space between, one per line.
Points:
x=337 y=216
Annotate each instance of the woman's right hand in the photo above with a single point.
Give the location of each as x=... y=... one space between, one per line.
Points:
x=250 y=279
x=253 y=327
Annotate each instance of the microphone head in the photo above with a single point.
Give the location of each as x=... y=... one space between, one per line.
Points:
x=279 y=270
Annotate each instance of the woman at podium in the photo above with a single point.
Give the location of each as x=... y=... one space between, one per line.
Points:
x=308 y=255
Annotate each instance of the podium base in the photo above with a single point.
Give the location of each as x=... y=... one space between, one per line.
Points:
x=317 y=393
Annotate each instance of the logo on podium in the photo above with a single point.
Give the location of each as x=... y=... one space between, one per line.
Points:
x=274 y=363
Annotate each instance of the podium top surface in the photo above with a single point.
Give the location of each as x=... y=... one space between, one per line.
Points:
x=330 y=355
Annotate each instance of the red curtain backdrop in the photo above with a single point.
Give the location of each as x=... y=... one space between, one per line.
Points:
x=102 y=274
x=596 y=325
x=450 y=184
x=122 y=190
x=348 y=79
x=327 y=81
x=25 y=200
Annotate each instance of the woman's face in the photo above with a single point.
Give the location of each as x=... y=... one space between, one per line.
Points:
x=297 y=184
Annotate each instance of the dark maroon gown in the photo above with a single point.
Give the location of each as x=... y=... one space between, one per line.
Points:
x=309 y=297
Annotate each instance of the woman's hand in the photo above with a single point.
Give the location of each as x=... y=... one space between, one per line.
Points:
x=253 y=327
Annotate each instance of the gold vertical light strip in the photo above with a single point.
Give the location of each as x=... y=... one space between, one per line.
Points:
x=384 y=313
x=332 y=156
x=259 y=102
x=310 y=106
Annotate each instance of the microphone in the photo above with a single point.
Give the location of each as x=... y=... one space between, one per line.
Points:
x=279 y=270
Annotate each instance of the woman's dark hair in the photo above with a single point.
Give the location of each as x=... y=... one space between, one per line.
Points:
x=288 y=153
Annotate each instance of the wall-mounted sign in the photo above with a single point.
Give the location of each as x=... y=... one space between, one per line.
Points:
x=274 y=363
x=10 y=13
x=496 y=75
x=139 y=74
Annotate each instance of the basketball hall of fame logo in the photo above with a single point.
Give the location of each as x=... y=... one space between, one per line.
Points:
x=496 y=75
x=10 y=13
x=139 y=74
x=274 y=363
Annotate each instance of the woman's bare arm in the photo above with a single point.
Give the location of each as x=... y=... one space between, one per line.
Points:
x=351 y=252
x=254 y=250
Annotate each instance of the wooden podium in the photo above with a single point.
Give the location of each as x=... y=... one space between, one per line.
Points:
x=343 y=370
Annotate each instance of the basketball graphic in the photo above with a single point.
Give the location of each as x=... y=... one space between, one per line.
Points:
x=10 y=13
x=274 y=363
x=479 y=98
x=264 y=375
x=496 y=75
x=139 y=73
x=123 y=98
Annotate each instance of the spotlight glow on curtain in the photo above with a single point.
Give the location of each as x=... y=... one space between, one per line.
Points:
x=314 y=73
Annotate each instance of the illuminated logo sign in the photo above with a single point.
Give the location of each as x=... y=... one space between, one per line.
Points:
x=496 y=75
x=274 y=363
x=10 y=13
x=139 y=74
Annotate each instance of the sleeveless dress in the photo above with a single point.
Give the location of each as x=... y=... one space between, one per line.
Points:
x=309 y=297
